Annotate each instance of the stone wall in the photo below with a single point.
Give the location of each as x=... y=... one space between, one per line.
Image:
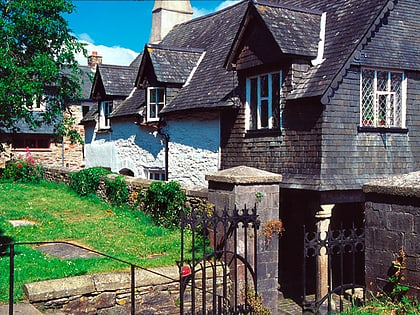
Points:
x=392 y=212
x=109 y=293
x=157 y=291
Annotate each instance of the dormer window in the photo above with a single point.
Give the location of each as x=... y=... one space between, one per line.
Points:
x=105 y=109
x=382 y=98
x=263 y=101
x=155 y=102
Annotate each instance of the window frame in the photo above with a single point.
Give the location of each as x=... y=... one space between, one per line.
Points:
x=156 y=174
x=31 y=141
x=105 y=110
x=158 y=105
x=393 y=119
x=262 y=114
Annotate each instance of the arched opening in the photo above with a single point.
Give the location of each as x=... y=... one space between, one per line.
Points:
x=127 y=172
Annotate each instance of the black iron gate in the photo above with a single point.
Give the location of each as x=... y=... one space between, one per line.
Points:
x=344 y=251
x=217 y=267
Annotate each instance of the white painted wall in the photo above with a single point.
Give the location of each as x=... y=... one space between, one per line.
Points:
x=194 y=148
x=127 y=146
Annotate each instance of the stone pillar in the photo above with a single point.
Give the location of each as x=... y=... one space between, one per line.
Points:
x=323 y=223
x=245 y=186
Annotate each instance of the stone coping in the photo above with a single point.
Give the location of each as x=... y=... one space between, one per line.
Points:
x=85 y=284
x=244 y=175
x=406 y=185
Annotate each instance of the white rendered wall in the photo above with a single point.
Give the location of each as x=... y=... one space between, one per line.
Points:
x=127 y=146
x=193 y=148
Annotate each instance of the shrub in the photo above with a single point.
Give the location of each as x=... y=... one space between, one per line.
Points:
x=23 y=169
x=164 y=203
x=86 y=181
x=116 y=191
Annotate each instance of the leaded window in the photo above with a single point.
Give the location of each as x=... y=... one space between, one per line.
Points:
x=263 y=94
x=383 y=97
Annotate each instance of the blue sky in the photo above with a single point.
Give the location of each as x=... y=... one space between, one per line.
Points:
x=118 y=30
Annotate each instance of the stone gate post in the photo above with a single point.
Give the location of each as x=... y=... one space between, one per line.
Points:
x=245 y=186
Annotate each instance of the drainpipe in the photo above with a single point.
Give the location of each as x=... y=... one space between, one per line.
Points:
x=165 y=137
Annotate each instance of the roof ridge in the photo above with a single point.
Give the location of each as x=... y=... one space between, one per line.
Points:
x=287 y=7
x=206 y=16
x=104 y=65
x=173 y=48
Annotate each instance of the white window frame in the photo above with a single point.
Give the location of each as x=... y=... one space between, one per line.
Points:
x=394 y=117
x=39 y=104
x=156 y=174
x=260 y=99
x=157 y=105
x=105 y=109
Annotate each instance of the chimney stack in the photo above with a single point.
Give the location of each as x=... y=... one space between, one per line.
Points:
x=166 y=14
x=94 y=60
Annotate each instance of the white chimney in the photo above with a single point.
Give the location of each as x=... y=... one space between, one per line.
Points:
x=166 y=14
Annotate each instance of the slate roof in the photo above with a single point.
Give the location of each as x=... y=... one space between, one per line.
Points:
x=348 y=22
x=296 y=31
x=136 y=62
x=134 y=104
x=86 y=81
x=170 y=64
x=116 y=80
x=212 y=86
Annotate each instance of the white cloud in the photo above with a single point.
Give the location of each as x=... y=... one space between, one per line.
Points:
x=85 y=37
x=197 y=12
x=226 y=4
x=110 y=55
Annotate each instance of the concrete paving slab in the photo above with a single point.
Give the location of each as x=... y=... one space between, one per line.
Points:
x=19 y=309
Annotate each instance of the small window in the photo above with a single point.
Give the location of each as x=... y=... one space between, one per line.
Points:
x=31 y=141
x=382 y=98
x=156 y=174
x=155 y=102
x=263 y=95
x=104 y=112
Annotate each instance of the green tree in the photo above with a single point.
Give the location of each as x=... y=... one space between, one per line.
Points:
x=37 y=61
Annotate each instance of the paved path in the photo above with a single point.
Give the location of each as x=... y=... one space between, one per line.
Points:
x=19 y=309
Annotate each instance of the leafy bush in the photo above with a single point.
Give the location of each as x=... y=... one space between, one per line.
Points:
x=164 y=203
x=23 y=169
x=86 y=181
x=116 y=191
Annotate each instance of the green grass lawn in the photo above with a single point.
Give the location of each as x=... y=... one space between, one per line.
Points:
x=61 y=215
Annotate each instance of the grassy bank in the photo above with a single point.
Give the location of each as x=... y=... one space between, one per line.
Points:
x=59 y=214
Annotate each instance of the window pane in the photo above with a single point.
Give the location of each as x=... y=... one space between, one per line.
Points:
x=382 y=77
x=152 y=110
x=264 y=86
x=396 y=86
x=264 y=114
x=276 y=99
x=153 y=96
x=367 y=98
x=160 y=95
x=253 y=104
x=43 y=143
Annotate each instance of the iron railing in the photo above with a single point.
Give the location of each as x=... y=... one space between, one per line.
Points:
x=343 y=248
x=227 y=239
x=133 y=267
